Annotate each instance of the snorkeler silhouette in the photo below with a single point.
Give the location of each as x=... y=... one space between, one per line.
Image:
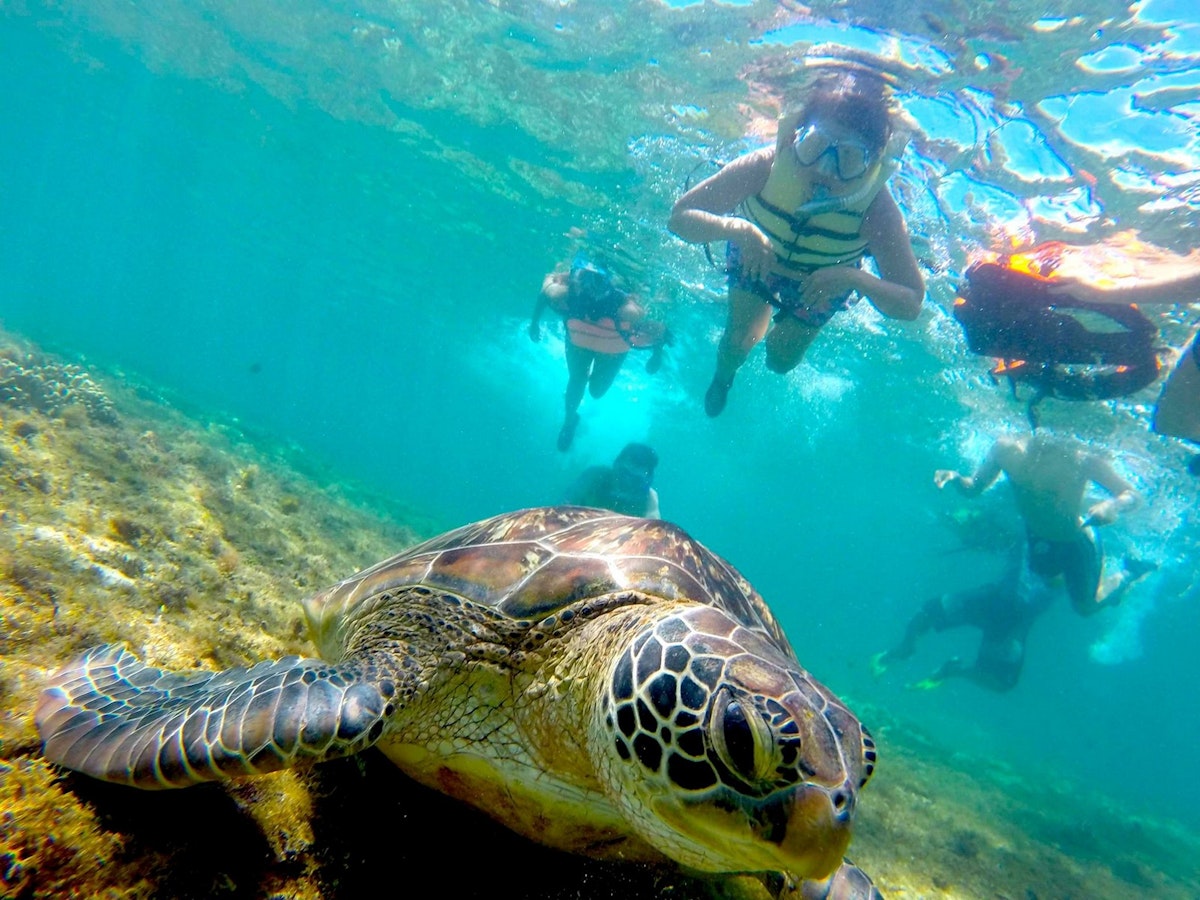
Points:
x=1049 y=476
x=1004 y=613
x=623 y=487
x=603 y=323
x=799 y=217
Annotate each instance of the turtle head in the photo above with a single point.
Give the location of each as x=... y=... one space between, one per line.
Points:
x=725 y=755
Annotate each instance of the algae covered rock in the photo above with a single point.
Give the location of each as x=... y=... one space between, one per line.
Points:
x=35 y=383
x=193 y=546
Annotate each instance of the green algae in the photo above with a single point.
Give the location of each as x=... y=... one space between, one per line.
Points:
x=53 y=846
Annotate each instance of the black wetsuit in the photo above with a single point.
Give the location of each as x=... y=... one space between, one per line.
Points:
x=1004 y=613
x=597 y=486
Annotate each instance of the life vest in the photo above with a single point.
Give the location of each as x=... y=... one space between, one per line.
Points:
x=601 y=337
x=592 y=307
x=1063 y=347
x=591 y=295
x=807 y=233
x=612 y=336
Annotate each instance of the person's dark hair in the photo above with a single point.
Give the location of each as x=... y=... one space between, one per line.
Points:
x=591 y=292
x=856 y=98
x=589 y=280
x=640 y=455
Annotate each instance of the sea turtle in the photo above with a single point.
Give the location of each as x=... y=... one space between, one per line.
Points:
x=599 y=683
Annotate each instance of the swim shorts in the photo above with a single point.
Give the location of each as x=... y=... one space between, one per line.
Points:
x=1079 y=562
x=783 y=293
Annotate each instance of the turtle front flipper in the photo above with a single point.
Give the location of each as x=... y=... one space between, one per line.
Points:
x=112 y=717
x=848 y=882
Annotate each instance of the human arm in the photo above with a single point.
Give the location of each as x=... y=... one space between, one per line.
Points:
x=641 y=332
x=1123 y=499
x=985 y=476
x=1182 y=289
x=654 y=363
x=703 y=214
x=900 y=287
x=553 y=292
x=652 y=504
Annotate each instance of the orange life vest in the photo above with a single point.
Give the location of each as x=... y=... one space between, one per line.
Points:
x=601 y=336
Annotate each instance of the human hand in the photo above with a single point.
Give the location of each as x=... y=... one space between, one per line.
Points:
x=829 y=283
x=535 y=331
x=789 y=122
x=755 y=247
x=1102 y=513
x=654 y=363
x=942 y=477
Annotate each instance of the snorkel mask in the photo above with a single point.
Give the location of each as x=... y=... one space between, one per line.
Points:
x=846 y=157
x=588 y=278
x=840 y=157
x=592 y=285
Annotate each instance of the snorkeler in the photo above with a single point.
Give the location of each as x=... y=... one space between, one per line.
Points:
x=1049 y=476
x=623 y=487
x=798 y=218
x=1004 y=613
x=602 y=323
x=1177 y=412
x=1067 y=319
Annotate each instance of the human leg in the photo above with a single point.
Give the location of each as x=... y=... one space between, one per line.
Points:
x=1115 y=585
x=976 y=607
x=997 y=667
x=604 y=370
x=788 y=342
x=998 y=663
x=933 y=616
x=579 y=367
x=747 y=321
x=1080 y=562
x=951 y=668
x=1177 y=413
x=1082 y=565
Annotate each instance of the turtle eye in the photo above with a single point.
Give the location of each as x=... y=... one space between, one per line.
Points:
x=742 y=739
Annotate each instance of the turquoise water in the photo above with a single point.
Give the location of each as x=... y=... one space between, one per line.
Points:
x=330 y=221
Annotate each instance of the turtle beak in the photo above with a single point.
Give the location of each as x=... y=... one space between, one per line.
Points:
x=803 y=831
x=811 y=827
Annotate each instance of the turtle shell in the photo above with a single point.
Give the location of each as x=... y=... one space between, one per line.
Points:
x=532 y=563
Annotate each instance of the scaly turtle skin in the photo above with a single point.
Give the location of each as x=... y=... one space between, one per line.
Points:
x=598 y=683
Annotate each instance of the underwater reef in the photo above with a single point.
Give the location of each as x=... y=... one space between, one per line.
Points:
x=122 y=520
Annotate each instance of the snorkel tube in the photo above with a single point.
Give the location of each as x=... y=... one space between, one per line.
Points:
x=889 y=161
